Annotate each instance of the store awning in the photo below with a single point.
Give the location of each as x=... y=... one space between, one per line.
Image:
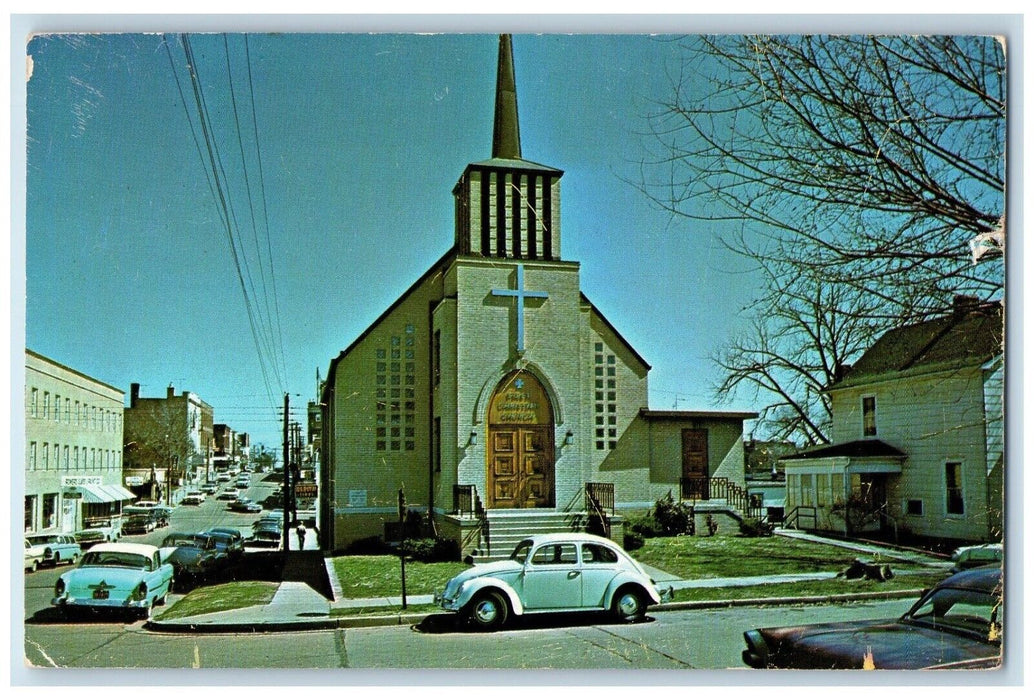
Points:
x=105 y=494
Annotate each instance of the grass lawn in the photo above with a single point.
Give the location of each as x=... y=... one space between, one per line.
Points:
x=226 y=596
x=723 y=556
x=371 y=576
x=813 y=588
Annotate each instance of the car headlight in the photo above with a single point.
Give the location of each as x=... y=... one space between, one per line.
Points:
x=59 y=588
x=140 y=592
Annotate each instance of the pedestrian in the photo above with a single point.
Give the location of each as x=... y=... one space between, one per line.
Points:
x=301 y=535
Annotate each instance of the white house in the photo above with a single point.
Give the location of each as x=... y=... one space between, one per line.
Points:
x=918 y=436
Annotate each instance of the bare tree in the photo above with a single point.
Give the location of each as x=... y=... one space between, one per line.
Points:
x=859 y=169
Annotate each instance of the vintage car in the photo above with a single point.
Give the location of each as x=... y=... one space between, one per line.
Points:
x=88 y=538
x=192 y=556
x=194 y=498
x=265 y=536
x=957 y=624
x=559 y=572
x=230 y=494
x=233 y=532
x=227 y=543
x=209 y=487
x=135 y=523
x=33 y=555
x=57 y=549
x=115 y=575
x=976 y=555
x=245 y=505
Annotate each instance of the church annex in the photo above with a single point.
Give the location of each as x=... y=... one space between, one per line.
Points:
x=496 y=395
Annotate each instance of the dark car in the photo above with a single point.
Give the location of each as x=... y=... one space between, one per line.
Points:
x=231 y=531
x=245 y=505
x=226 y=543
x=265 y=536
x=192 y=556
x=138 y=523
x=957 y=624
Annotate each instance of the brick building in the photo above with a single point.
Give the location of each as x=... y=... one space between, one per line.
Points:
x=494 y=392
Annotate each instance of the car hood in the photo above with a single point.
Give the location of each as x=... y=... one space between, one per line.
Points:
x=890 y=644
x=182 y=554
x=495 y=568
x=120 y=581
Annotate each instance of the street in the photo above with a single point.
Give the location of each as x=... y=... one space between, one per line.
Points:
x=700 y=639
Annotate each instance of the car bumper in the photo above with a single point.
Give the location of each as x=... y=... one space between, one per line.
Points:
x=665 y=594
x=99 y=603
x=450 y=604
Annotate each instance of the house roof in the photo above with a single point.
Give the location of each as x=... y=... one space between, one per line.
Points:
x=971 y=335
x=855 y=448
x=654 y=414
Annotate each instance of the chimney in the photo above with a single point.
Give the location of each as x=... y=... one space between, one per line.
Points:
x=962 y=305
x=134 y=394
x=170 y=392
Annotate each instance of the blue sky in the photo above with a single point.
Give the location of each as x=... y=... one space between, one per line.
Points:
x=130 y=274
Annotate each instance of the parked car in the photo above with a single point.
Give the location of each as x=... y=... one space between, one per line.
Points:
x=227 y=544
x=265 y=536
x=243 y=483
x=57 y=549
x=245 y=505
x=194 y=498
x=209 y=487
x=976 y=555
x=231 y=531
x=90 y=537
x=138 y=523
x=957 y=624
x=192 y=556
x=118 y=575
x=229 y=494
x=110 y=527
x=163 y=515
x=223 y=477
x=33 y=555
x=559 y=572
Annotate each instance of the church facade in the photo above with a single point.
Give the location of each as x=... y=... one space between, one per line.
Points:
x=493 y=388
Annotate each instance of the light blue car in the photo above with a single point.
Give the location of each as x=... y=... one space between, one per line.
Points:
x=57 y=549
x=118 y=575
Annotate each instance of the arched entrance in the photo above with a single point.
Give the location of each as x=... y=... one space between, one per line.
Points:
x=520 y=472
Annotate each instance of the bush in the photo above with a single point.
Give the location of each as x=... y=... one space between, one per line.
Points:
x=673 y=517
x=430 y=550
x=633 y=540
x=642 y=525
x=756 y=527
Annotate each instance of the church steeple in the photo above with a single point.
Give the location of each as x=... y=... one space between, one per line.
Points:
x=508 y=207
x=506 y=135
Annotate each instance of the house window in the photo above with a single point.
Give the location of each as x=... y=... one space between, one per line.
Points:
x=953 y=488
x=807 y=490
x=437 y=357
x=821 y=489
x=30 y=513
x=49 y=510
x=32 y=456
x=34 y=402
x=913 y=506
x=868 y=416
x=46 y=405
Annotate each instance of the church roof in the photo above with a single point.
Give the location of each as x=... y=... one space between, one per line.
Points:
x=971 y=335
x=506 y=130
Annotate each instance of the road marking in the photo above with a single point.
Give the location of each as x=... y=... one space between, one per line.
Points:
x=43 y=653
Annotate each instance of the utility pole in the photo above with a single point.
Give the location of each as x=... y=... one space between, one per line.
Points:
x=287 y=473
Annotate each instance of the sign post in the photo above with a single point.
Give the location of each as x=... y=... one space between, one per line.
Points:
x=402 y=534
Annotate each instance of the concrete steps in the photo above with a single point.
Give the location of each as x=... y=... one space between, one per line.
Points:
x=507 y=528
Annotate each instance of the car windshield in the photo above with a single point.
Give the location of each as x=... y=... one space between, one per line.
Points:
x=520 y=553
x=126 y=560
x=971 y=611
x=184 y=541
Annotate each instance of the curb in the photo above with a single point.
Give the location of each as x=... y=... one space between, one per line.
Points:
x=415 y=618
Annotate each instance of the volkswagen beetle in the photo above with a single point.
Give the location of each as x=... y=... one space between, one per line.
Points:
x=115 y=575
x=559 y=572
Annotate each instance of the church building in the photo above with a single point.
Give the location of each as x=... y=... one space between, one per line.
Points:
x=496 y=397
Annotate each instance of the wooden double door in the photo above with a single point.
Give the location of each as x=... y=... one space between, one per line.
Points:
x=521 y=473
x=520 y=450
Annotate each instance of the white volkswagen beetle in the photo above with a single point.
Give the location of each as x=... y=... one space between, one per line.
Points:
x=557 y=572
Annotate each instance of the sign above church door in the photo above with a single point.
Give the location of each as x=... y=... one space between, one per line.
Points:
x=520 y=400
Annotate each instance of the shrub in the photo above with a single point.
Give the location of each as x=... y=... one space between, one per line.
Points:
x=756 y=527
x=633 y=540
x=430 y=549
x=642 y=525
x=673 y=517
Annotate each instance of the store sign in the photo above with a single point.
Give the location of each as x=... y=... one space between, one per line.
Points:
x=81 y=481
x=72 y=495
x=134 y=481
x=306 y=490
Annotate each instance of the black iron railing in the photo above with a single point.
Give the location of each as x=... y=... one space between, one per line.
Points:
x=599 y=504
x=709 y=488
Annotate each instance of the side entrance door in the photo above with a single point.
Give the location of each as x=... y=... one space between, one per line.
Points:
x=695 y=477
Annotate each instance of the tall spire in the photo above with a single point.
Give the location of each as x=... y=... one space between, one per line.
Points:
x=506 y=135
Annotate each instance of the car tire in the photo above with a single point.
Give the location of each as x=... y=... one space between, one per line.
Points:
x=488 y=611
x=34 y=567
x=629 y=604
x=72 y=560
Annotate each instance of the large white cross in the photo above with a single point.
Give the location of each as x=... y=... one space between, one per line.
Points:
x=520 y=294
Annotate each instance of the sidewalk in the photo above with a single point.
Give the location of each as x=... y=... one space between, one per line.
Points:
x=296 y=606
